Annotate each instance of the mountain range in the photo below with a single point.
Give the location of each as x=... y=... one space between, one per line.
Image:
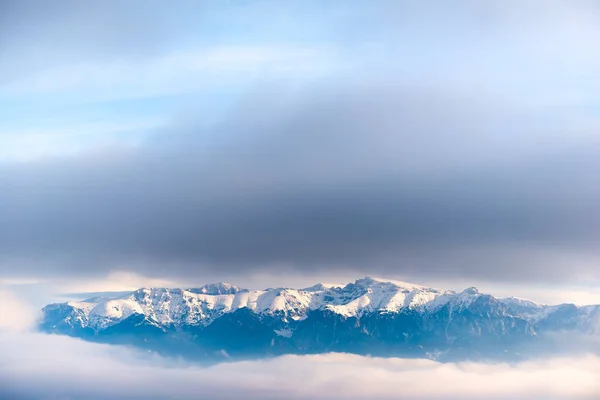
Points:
x=370 y=316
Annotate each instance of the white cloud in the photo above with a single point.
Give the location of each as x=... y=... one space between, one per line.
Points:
x=26 y=145
x=15 y=315
x=46 y=367
x=172 y=73
x=115 y=281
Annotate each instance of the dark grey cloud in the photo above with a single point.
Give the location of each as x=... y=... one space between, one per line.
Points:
x=377 y=178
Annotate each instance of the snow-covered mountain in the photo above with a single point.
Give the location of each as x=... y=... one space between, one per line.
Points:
x=368 y=316
x=203 y=305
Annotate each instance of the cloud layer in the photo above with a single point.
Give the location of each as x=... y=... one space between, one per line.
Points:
x=400 y=140
x=35 y=366
x=356 y=177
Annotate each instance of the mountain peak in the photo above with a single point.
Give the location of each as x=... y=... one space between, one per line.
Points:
x=320 y=287
x=217 y=289
x=471 y=290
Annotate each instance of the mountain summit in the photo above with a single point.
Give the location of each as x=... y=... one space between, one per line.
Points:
x=370 y=316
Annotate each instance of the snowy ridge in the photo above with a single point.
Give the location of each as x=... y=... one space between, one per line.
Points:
x=201 y=306
x=369 y=316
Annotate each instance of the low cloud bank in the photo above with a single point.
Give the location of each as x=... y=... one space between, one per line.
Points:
x=38 y=366
x=15 y=315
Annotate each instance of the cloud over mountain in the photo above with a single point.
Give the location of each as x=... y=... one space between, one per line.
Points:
x=390 y=179
x=304 y=146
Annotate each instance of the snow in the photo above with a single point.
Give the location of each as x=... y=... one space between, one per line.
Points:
x=287 y=333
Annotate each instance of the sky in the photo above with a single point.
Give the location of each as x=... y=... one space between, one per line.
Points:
x=271 y=143
x=285 y=143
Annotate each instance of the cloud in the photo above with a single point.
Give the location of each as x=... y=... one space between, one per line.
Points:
x=385 y=178
x=152 y=48
x=36 y=366
x=69 y=40
x=416 y=158
x=172 y=73
x=15 y=315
